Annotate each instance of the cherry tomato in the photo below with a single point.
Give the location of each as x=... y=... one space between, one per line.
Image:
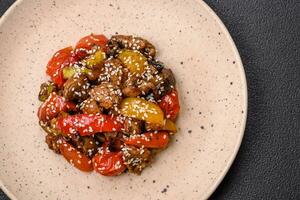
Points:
x=150 y=140
x=170 y=104
x=53 y=106
x=76 y=158
x=109 y=163
x=89 y=124
x=60 y=59
x=86 y=43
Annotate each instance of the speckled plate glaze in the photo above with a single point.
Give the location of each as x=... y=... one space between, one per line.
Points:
x=191 y=40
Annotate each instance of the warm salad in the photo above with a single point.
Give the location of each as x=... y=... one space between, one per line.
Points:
x=110 y=105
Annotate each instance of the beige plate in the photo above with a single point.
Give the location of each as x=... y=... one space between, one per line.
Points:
x=191 y=40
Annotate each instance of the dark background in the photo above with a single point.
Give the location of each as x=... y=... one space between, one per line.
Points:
x=267 y=35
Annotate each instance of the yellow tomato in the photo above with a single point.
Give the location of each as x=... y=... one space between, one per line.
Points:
x=133 y=60
x=143 y=110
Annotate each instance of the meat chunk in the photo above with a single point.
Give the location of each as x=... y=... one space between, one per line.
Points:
x=76 y=88
x=115 y=144
x=74 y=139
x=135 y=86
x=50 y=127
x=94 y=74
x=157 y=64
x=86 y=144
x=139 y=87
x=132 y=126
x=112 y=72
x=118 y=42
x=165 y=81
x=148 y=80
x=53 y=142
x=89 y=146
x=136 y=159
x=131 y=91
x=90 y=106
x=106 y=94
x=129 y=87
x=168 y=76
x=145 y=87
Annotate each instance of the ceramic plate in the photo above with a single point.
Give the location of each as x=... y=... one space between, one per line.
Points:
x=190 y=39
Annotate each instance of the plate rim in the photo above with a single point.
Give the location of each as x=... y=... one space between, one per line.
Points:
x=244 y=82
x=3 y=18
x=242 y=73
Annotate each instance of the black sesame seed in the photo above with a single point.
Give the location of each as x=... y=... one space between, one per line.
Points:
x=164 y=190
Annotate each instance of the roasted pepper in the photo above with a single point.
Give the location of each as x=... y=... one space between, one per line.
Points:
x=75 y=157
x=109 y=163
x=133 y=60
x=170 y=104
x=143 y=110
x=60 y=59
x=159 y=139
x=53 y=106
x=86 y=124
x=88 y=42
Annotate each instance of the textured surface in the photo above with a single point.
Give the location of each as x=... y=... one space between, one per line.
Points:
x=267 y=36
x=213 y=107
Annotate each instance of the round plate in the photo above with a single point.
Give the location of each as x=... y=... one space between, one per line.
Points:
x=190 y=39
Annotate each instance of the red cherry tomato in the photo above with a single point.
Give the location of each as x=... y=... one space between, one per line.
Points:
x=149 y=140
x=76 y=158
x=170 y=104
x=53 y=106
x=60 y=59
x=88 y=124
x=86 y=43
x=109 y=163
